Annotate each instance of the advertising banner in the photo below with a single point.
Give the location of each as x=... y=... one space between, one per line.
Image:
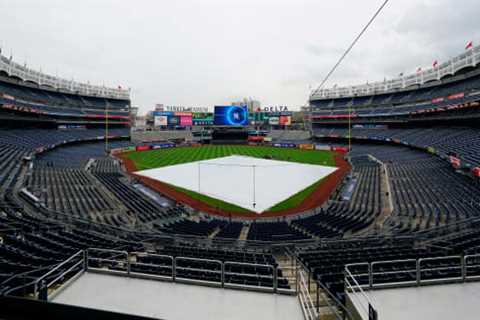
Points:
x=274 y=121
x=340 y=149
x=162 y=113
x=174 y=121
x=285 y=120
x=162 y=146
x=285 y=145
x=202 y=122
x=255 y=138
x=322 y=147
x=456 y=96
x=186 y=121
x=143 y=148
x=160 y=121
x=183 y=114
x=202 y=115
x=306 y=146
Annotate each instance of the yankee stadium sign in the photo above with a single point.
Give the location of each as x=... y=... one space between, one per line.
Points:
x=161 y=107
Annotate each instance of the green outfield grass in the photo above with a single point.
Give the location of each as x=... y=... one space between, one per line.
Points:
x=166 y=157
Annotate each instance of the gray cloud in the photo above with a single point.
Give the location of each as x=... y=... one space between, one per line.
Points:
x=206 y=52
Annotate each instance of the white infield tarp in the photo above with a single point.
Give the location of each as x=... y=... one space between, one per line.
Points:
x=252 y=183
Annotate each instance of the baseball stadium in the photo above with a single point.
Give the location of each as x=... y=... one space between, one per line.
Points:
x=362 y=204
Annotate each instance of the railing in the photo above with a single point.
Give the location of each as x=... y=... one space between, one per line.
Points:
x=225 y=274
x=290 y=275
x=360 y=277
x=190 y=270
x=75 y=263
x=158 y=265
x=334 y=305
x=336 y=308
x=308 y=307
x=107 y=260
x=352 y=285
x=405 y=271
x=266 y=274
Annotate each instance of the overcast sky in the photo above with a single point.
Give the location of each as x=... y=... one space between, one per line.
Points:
x=207 y=52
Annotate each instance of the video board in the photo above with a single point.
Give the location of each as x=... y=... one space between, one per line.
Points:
x=230 y=116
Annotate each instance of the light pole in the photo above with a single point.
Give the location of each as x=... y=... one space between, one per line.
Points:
x=254 y=201
x=349 y=128
x=199 y=177
x=106 y=128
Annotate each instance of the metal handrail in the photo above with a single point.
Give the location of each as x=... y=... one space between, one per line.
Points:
x=293 y=278
x=373 y=273
x=197 y=259
x=466 y=266
x=85 y=256
x=360 y=289
x=337 y=302
x=124 y=255
x=66 y=272
x=273 y=269
x=306 y=302
x=35 y=290
x=419 y=268
x=19 y=275
x=143 y=254
x=176 y=267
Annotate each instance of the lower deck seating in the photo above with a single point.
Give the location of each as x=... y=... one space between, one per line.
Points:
x=274 y=231
x=327 y=264
x=426 y=191
x=72 y=191
x=142 y=207
x=351 y=215
x=464 y=142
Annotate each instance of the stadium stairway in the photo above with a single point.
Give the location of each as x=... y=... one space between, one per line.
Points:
x=214 y=233
x=244 y=232
x=288 y=265
x=386 y=201
x=291 y=269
